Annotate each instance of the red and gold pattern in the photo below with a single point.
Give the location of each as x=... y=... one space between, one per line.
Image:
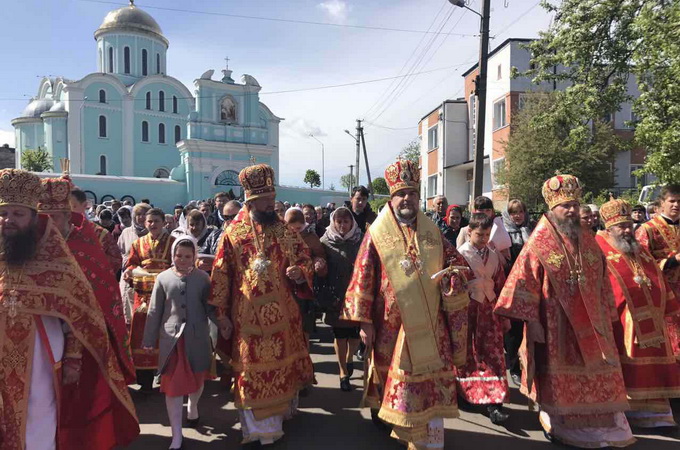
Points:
x=561 y=189
x=663 y=242
x=577 y=371
x=56 y=195
x=110 y=247
x=616 y=211
x=257 y=181
x=152 y=255
x=53 y=285
x=19 y=188
x=405 y=400
x=649 y=367
x=269 y=356
x=403 y=174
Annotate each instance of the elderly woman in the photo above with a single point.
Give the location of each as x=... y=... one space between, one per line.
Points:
x=454 y=221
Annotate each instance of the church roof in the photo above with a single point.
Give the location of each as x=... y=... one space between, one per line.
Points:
x=37 y=107
x=130 y=18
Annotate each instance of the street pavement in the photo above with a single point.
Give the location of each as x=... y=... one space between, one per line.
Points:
x=330 y=419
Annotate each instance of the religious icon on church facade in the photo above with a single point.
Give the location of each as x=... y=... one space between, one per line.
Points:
x=228 y=110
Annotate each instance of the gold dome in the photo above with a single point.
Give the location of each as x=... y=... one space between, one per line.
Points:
x=130 y=18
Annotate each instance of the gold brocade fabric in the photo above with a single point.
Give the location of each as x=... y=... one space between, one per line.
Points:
x=53 y=285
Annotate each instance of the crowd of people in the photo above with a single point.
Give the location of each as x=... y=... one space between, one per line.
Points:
x=581 y=307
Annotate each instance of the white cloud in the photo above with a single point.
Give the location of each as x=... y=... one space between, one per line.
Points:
x=336 y=10
x=299 y=127
x=7 y=137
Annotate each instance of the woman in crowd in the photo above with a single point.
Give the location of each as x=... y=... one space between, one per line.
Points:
x=341 y=242
x=454 y=221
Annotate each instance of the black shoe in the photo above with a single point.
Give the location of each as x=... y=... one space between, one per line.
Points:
x=382 y=426
x=359 y=354
x=193 y=423
x=496 y=414
x=350 y=369
x=516 y=379
x=344 y=384
x=252 y=445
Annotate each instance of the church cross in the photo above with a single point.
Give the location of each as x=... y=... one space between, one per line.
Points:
x=227 y=61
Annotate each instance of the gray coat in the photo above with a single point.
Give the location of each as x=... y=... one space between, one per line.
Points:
x=179 y=307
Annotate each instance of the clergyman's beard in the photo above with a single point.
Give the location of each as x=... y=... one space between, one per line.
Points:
x=571 y=228
x=627 y=244
x=21 y=247
x=265 y=217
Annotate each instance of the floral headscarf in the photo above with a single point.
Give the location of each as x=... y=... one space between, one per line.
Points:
x=333 y=235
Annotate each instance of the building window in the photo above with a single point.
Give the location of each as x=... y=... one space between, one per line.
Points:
x=499 y=119
x=144 y=62
x=148 y=100
x=110 y=60
x=433 y=137
x=158 y=63
x=500 y=72
x=102 y=96
x=498 y=166
x=607 y=118
x=161 y=133
x=174 y=104
x=161 y=172
x=102 y=165
x=126 y=59
x=102 y=126
x=431 y=186
x=635 y=180
x=178 y=133
x=161 y=101
x=634 y=119
x=145 y=131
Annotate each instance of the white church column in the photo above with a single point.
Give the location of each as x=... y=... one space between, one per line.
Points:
x=128 y=135
x=75 y=102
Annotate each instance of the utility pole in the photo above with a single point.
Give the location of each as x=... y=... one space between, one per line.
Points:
x=351 y=179
x=357 y=137
x=368 y=170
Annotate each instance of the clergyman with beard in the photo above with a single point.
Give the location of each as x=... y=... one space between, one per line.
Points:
x=414 y=325
x=560 y=288
x=643 y=297
x=260 y=267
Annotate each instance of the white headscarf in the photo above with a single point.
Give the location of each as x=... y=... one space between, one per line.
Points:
x=333 y=235
x=182 y=239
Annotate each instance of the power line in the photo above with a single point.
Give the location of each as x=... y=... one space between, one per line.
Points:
x=277 y=19
x=517 y=19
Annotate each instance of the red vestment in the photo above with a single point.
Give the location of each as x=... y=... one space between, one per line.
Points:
x=577 y=372
x=663 y=242
x=110 y=246
x=52 y=284
x=649 y=367
x=152 y=255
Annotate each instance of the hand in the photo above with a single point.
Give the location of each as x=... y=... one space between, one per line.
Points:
x=535 y=332
x=226 y=327
x=204 y=264
x=319 y=265
x=367 y=335
x=294 y=273
x=70 y=374
x=127 y=275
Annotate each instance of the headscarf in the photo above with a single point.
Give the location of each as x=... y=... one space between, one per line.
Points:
x=452 y=208
x=182 y=239
x=334 y=236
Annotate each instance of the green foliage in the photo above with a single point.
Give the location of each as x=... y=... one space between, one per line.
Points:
x=593 y=48
x=36 y=160
x=378 y=203
x=411 y=151
x=312 y=178
x=348 y=181
x=538 y=147
x=380 y=186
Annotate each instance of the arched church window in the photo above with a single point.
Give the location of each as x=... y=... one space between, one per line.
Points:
x=148 y=100
x=126 y=59
x=178 y=133
x=161 y=133
x=228 y=110
x=174 y=104
x=102 y=96
x=144 y=62
x=110 y=68
x=161 y=172
x=227 y=178
x=161 y=101
x=102 y=126
x=102 y=165
x=158 y=63
x=145 y=131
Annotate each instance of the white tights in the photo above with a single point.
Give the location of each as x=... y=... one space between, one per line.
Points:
x=174 y=405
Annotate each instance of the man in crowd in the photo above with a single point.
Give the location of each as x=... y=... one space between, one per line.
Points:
x=79 y=202
x=229 y=212
x=50 y=322
x=280 y=210
x=643 y=298
x=661 y=236
x=559 y=288
x=639 y=216
x=127 y=237
x=416 y=335
x=151 y=255
x=107 y=424
x=259 y=266
x=358 y=204
x=439 y=205
x=216 y=219
x=500 y=239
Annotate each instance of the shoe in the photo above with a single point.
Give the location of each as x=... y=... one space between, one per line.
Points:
x=350 y=369
x=359 y=355
x=382 y=426
x=496 y=414
x=549 y=437
x=516 y=379
x=344 y=384
x=193 y=423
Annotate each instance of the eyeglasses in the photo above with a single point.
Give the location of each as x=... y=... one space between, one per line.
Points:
x=230 y=217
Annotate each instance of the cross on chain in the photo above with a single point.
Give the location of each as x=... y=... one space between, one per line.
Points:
x=13 y=304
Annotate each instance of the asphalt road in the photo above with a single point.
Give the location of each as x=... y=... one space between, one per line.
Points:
x=330 y=419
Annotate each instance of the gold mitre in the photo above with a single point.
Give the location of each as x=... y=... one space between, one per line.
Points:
x=562 y=189
x=57 y=191
x=616 y=211
x=19 y=188
x=257 y=181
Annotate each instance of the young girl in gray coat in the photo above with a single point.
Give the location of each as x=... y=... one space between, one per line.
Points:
x=178 y=319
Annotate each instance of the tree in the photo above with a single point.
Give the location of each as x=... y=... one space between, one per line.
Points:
x=36 y=160
x=380 y=186
x=535 y=151
x=597 y=46
x=348 y=181
x=411 y=151
x=312 y=178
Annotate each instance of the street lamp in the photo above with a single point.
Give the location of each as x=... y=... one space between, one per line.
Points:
x=356 y=139
x=323 y=172
x=480 y=92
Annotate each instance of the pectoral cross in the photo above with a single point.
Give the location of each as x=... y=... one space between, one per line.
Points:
x=13 y=303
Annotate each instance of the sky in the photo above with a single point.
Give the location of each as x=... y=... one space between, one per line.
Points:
x=342 y=46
